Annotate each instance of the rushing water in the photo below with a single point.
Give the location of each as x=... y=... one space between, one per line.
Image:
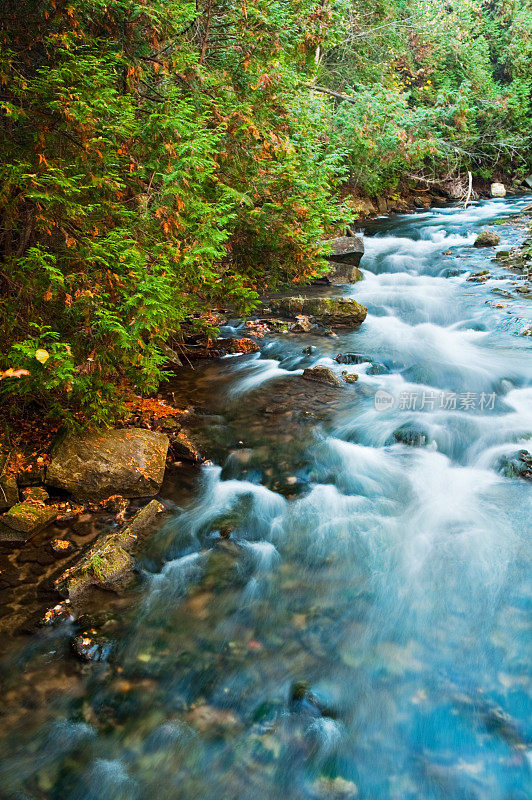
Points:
x=378 y=555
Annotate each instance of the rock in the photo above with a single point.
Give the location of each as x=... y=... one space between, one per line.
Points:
x=497 y=190
x=92 y=466
x=350 y=377
x=35 y=494
x=487 y=239
x=480 y=277
x=518 y=465
x=29 y=517
x=321 y=375
x=213 y=722
x=325 y=788
x=91 y=646
x=140 y=524
x=184 y=448
x=528 y=181
x=347 y=250
x=409 y=435
x=8 y=492
x=172 y=357
x=342 y=273
x=324 y=310
x=301 y=325
x=351 y=358
x=243 y=345
x=107 y=565
x=502 y=255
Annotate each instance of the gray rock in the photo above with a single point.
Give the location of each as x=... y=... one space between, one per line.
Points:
x=323 y=310
x=346 y=250
x=321 y=375
x=343 y=273
x=93 y=466
x=487 y=239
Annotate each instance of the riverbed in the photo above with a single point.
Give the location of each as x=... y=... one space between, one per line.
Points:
x=365 y=630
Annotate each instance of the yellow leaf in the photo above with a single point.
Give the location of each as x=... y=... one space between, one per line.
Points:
x=42 y=356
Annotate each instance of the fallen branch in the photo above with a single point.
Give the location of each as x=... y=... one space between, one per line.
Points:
x=333 y=94
x=470 y=189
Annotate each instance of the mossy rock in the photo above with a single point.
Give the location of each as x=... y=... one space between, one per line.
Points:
x=29 y=517
x=327 y=311
x=487 y=239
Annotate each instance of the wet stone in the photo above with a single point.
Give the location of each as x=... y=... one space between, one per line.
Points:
x=409 y=435
x=321 y=375
x=487 y=239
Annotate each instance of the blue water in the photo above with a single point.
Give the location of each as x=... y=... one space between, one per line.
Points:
x=393 y=579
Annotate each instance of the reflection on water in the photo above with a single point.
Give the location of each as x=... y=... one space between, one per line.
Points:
x=365 y=630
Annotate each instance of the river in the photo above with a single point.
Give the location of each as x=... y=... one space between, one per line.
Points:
x=366 y=630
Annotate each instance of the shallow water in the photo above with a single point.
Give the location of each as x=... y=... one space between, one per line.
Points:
x=394 y=580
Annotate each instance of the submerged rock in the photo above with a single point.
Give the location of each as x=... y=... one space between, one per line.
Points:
x=92 y=466
x=324 y=310
x=325 y=788
x=321 y=375
x=91 y=646
x=487 y=239
x=213 y=722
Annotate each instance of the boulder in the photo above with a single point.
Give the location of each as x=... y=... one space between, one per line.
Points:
x=497 y=190
x=324 y=310
x=321 y=375
x=242 y=345
x=346 y=250
x=92 y=466
x=487 y=239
